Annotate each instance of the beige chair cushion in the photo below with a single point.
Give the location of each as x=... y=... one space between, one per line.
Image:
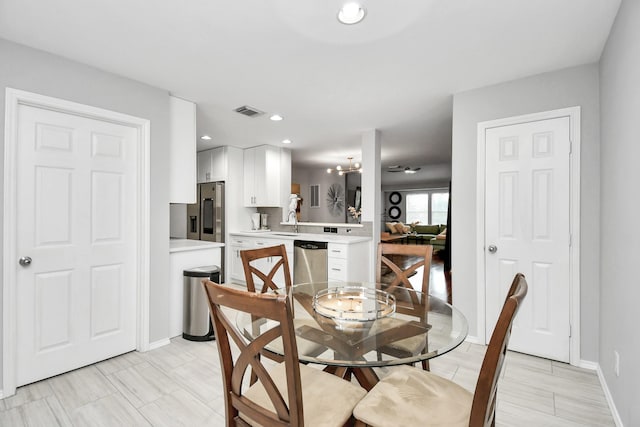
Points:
x=412 y=345
x=305 y=347
x=413 y=397
x=327 y=399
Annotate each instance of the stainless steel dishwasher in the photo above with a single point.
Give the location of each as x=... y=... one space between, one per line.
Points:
x=309 y=261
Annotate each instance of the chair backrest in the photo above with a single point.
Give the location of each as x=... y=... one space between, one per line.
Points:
x=483 y=409
x=386 y=253
x=234 y=370
x=281 y=261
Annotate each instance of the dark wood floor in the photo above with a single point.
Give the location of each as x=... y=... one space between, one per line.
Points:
x=439 y=281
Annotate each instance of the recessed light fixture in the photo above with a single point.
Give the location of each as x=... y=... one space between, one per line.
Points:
x=351 y=13
x=205 y=137
x=286 y=141
x=276 y=117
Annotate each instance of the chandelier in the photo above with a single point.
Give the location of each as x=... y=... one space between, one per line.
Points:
x=353 y=167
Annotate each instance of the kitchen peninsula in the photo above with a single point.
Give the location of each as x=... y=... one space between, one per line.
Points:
x=347 y=256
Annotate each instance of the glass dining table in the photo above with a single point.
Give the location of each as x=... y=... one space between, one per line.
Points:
x=353 y=327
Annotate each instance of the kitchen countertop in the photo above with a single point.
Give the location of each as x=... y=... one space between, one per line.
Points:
x=315 y=237
x=182 y=245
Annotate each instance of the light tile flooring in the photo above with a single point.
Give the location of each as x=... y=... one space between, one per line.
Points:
x=180 y=385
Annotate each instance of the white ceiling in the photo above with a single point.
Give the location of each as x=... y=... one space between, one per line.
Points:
x=396 y=71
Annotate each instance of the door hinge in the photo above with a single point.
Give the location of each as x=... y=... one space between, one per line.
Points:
x=569 y=330
x=570 y=146
x=570 y=239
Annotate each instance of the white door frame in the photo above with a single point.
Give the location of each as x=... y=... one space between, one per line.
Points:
x=574 y=216
x=14 y=98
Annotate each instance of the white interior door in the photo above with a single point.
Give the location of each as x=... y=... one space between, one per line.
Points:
x=527 y=229
x=76 y=300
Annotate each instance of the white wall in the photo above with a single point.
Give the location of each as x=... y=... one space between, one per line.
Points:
x=35 y=71
x=620 y=229
x=576 y=86
x=306 y=177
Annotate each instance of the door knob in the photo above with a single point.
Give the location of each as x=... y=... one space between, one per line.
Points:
x=493 y=249
x=25 y=261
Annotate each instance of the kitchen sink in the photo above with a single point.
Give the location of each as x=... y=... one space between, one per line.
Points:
x=285 y=234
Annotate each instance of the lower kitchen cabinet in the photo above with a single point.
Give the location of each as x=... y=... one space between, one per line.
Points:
x=348 y=262
x=239 y=243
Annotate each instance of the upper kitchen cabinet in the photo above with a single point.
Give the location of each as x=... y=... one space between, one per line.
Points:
x=182 y=166
x=266 y=169
x=212 y=165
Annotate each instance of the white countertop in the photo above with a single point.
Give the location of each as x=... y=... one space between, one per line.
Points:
x=315 y=237
x=181 y=245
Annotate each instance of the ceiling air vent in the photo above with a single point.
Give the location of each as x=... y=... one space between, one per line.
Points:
x=249 y=111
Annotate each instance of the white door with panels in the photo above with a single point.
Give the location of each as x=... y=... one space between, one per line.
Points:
x=76 y=239
x=527 y=229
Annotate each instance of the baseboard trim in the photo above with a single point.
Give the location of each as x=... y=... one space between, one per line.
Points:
x=607 y=395
x=159 y=343
x=473 y=340
x=587 y=364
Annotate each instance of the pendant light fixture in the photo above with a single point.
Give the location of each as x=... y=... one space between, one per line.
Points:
x=353 y=167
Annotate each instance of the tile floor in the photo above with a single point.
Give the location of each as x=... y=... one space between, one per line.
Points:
x=180 y=385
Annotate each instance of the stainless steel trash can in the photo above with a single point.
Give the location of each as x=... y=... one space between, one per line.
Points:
x=196 y=323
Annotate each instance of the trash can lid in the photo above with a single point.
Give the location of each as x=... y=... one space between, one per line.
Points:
x=201 y=271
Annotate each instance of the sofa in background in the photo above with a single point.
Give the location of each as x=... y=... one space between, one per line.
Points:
x=434 y=235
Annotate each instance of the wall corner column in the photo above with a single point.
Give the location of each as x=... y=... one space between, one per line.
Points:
x=371 y=189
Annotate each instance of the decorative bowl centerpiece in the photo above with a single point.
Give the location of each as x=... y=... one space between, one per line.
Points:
x=354 y=303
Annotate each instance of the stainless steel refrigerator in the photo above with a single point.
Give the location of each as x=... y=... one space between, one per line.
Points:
x=205 y=219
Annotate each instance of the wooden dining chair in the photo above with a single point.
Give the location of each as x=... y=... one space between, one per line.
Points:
x=404 y=261
x=279 y=253
x=418 y=255
x=285 y=394
x=436 y=401
x=280 y=264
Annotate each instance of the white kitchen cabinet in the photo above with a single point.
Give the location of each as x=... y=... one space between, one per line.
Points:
x=239 y=243
x=182 y=147
x=236 y=269
x=348 y=262
x=262 y=177
x=212 y=165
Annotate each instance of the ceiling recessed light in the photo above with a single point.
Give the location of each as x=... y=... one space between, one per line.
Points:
x=205 y=137
x=276 y=117
x=286 y=141
x=351 y=13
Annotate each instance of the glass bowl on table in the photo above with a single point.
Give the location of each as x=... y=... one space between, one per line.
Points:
x=353 y=303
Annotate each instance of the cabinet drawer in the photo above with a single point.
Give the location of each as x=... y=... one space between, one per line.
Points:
x=238 y=241
x=337 y=269
x=337 y=250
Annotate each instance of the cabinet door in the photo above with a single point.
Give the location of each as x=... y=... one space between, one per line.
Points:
x=204 y=166
x=249 y=178
x=267 y=176
x=218 y=164
x=235 y=264
x=262 y=176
